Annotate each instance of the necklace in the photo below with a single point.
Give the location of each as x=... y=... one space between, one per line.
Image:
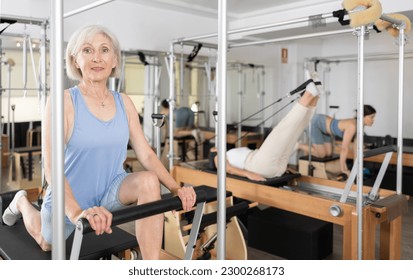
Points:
x=102 y=102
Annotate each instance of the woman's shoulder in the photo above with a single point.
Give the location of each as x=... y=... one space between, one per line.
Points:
x=125 y=98
x=67 y=94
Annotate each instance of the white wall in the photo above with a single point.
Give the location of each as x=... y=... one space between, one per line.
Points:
x=142 y=27
x=381 y=82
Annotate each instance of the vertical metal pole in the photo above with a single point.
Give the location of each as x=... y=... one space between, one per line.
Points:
x=156 y=102
x=122 y=74
x=310 y=152
x=1 y=121
x=360 y=143
x=217 y=91
x=240 y=91
x=58 y=201
x=8 y=106
x=11 y=154
x=261 y=93
x=181 y=79
x=13 y=134
x=25 y=42
x=206 y=99
x=43 y=87
x=400 y=108
x=171 y=106
x=222 y=138
x=149 y=103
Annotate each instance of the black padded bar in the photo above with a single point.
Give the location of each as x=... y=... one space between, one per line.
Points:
x=211 y=218
x=136 y=212
x=378 y=151
x=324 y=159
x=158 y=116
x=186 y=137
x=274 y=181
x=211 y=193
x=28 y=149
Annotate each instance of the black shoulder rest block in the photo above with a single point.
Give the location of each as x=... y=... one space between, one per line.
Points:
x=317 y=159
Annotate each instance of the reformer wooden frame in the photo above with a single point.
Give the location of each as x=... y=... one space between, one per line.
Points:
x=317 y=206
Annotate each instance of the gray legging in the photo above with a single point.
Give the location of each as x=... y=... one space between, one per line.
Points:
x=184 y=118
x=271 y=159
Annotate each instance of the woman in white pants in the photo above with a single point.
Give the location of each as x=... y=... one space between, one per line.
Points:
x=271 y=159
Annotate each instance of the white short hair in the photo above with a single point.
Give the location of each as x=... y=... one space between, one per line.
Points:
x=82 y=36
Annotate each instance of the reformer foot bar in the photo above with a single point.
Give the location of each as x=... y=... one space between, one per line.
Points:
x=16 y=243
x=142 y=211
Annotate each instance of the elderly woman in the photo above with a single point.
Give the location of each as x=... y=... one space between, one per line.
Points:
x=98 y=123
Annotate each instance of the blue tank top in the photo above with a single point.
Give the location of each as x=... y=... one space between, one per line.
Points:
x=95 y=152
x=335 y=130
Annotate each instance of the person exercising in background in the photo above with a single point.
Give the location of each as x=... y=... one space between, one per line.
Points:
x=324 y=127
x=184 y=121
x=271 y=159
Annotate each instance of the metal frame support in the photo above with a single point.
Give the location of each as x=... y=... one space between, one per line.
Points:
x=374 y=192
x=196 y=224
x=360 y=32
x=402 y=42
x=241 y=90
x=58 y=207
x=171 y=155
x=261 y=97
x=86 y=8
x=1 y=121
x=222 y=139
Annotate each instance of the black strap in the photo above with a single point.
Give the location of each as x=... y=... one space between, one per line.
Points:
x=194 y=52
x=340 y=15
x=376 y=29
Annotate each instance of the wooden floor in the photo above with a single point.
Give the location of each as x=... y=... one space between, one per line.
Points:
x=253 y=254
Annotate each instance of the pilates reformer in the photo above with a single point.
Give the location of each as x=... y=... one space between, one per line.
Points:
x=177 y=225
x=327 y=200
x=325 y=168
x=16 y=243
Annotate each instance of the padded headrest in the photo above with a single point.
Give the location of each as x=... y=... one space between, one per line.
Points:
x=372 y=12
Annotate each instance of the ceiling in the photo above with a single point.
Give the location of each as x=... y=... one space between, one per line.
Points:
x=236 y=9
x=242 y=9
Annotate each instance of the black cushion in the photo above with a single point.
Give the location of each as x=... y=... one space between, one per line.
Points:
x=317 y=159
